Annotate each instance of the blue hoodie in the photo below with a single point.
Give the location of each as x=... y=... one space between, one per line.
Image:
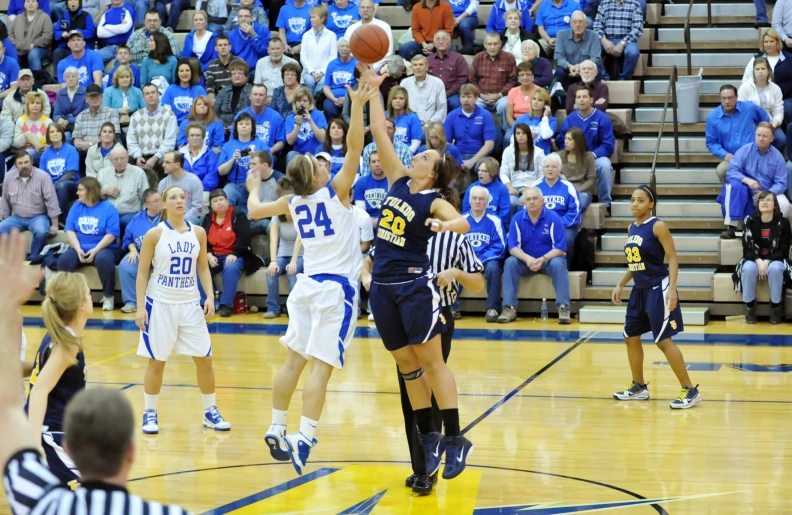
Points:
x=204 y=166
x=215 y=137
x=180 y=99
x=563 y=199
x=250 y=49
x=597 y=129
x=67 y=23
x=499 y=203
x=487 y=237
x=209 y=54
x=137 y=228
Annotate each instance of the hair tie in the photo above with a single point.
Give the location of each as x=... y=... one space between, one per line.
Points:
x=648 y=192
x=51 y=299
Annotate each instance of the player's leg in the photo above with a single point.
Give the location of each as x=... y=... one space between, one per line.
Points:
x=152 y=384
x=283 y=386
x=156 y=344
x=206 y=383
x=636 y=323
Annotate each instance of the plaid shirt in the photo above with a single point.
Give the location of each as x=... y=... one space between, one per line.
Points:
x=619 y=20
x=30 y=198
x=88 y=125
x=497 y=75
x=131 y=184
x=402 y=151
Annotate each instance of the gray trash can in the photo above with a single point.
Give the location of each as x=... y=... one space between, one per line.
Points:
x=688 y=89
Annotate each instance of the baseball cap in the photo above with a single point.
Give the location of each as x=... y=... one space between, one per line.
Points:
x=323 y=155
x=93 y=89
x=24 y=72
x=75 y=32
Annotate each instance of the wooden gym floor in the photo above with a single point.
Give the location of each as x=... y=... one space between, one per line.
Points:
x=535 y=399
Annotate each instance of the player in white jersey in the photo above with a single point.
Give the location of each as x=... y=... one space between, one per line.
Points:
x=169 y=314
x=323 y=304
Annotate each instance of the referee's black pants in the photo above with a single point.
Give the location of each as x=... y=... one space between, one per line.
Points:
x=413 y=443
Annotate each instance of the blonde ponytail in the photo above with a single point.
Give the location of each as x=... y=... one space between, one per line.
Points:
x=66 y=294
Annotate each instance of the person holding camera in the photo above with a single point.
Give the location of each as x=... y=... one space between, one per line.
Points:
x=306 y=128
x=235 y=160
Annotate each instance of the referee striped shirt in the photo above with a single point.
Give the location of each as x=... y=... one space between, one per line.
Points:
x=451 y=250
x=32 y=489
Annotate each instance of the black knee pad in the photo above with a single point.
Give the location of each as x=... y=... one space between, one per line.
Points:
x=412 y=375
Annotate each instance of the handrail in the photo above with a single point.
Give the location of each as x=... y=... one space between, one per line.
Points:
x=709 y=13
x=686 y=33
x=672 y=97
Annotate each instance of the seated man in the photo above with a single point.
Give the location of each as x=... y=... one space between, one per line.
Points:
x=573 y=46
x=402 y=150
x=486 y=236
x=262 y=160
x=176 y=175
x=619 y=25
x=428 y=16
x=367 y=10
x=599 y=136
x=371 y=190
x=269 y=123
x=14 y=103
x=537 y=246
x=448 y=66
x=588 y=75
x=249 y=40
x=340 y=73
x=561 y=196
x=29 y=202
x=88 y=61
x=132 y=241
x=551 y=17
x=731 y=126
x=115 y=27
x=268 y=69
x=138 y=41
x=494 y=73
x=756 y=167
x=88 y=123
x=427 y=93
x=258 y=12
x=471 y=128
x=152 y=133
x=123 y=185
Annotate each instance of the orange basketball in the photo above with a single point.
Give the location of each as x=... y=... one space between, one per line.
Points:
x=369 y=44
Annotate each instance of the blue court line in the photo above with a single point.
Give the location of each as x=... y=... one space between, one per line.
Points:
x=561 y=336
x=482 y=395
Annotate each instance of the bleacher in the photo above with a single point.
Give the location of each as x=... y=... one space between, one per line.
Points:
x=686 y=195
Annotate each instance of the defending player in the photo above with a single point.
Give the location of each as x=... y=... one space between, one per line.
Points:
x=323 y=304
x=653 y=304
x=169 y=313
x=59 y=368
x=404 y=298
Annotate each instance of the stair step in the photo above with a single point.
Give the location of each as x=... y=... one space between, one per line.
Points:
x=690 y=175
x=709 y=71
x=658 y=46
x=709 y=34
x=616 y=314
x=688 y=242
x=654 y=128
x=703 y=59
x=603 y=293
x=697 y=209
x=655 y=114
x=674 y=223
x=671 y=190
x=687 y=278
x=645 y=158
x=717 y=21
x=687 y=144
x=708 y=86
x=680 y=9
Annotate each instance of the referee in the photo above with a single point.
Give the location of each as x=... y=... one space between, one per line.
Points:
x=452 y=258
x=98 y=425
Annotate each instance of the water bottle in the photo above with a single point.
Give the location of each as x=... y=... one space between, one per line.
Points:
x=543 y=311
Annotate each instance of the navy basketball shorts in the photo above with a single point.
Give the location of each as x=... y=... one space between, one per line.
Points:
x=647 y=311
x=58 y=461
x=407 y=313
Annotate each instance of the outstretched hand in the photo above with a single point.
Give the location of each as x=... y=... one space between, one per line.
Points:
x=253 y=181
x=367 y=74
x=365 y=92
x=19 y=280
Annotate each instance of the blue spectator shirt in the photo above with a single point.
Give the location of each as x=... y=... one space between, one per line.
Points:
x=728 y=133
x=459 y=7
x=408 y=127
x=215 y=134
x=90 y=62
x=540 y=238
x=370 y=192
x=496 y=22
x=115 y=16
x=135 y=75
x=768 y=168
x=91 y=224
x=469 y=132
x=306 y=141
x=337 y=156
x=269 y=126
x=562 y=198
x=554 y=18
x=499 y=203
x=239 y=172
x=58 y=162
x=9 y=72
x=137 y=228
x=486 y=236
x=250 y=48
x=296 y=20
x=534 y=124
x=450 y=149
x=339 y=19
x=180 y=99
x=338 y=75
x=596 y=128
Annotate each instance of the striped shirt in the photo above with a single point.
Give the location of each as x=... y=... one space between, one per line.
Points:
x=451 y=250
x=29 y=198
x=403 y=152
x=619 y=20
x=31 y=488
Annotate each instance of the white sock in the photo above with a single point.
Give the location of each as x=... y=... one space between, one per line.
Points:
x=151 y=401
x=279 y=417
x=208 y=400
x=308 y=428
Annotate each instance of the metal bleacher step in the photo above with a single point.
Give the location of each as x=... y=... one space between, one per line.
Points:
x=684 y=242
x=645 y=158
x=731 y=9
x=616 y=314
x=674 y=35
x=735 y=59
x=655 y=114
x=692 y=209
x=708 y=86
x=688 y=175
x=687 y=278
x=712 y=71
x=687 y=144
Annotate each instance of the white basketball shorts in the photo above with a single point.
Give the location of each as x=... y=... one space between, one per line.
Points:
x=322 y=317
x=174 y=326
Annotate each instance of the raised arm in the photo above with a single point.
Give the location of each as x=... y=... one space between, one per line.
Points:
x=343 y=181
x=447 y=218
x=394 y=169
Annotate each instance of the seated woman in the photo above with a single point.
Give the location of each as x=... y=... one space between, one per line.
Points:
x=335 y=145
x=520 y=98
x=577 y=166
x=228 y=247
x=62 y=161
x=521 y=164
x=513 y=35
x=543 y=69
x=762 y=91
x=72 y=18
x=179 y=95
x=283 y=96
x=30 y=131
x=69 y=101
x=199 y=158
x=772 y=49
x=202 y=113
x=31 y=33
x=137 y=228
x=159 y=63
x=436 y=140
x=123 y=96
x=98 y=154
x=306 y=127
x=235 y=159
x=560 y=196
x=92 y=229
x=540 y=119
x=488 y=174
x=200 y=43
x=285 y=254
x=766 y=241
x=408 y=126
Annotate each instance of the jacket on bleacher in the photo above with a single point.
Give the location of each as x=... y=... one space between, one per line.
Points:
x=82 y=20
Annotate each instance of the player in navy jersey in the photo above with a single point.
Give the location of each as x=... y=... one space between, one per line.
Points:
x=59 y=368
x=404 y=297
x=653 y=305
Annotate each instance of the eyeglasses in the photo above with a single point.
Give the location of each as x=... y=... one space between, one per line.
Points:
x=531 y=199
x=238 y=73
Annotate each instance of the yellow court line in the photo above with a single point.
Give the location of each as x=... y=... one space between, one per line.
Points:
x=111 y=358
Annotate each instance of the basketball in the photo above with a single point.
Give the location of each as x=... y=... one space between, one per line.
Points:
x=369 y=44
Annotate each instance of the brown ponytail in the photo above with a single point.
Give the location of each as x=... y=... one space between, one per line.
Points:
x=66 y=294
x=446 y=171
